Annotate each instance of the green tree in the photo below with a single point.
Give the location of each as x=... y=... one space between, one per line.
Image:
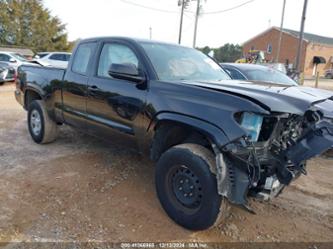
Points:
x=227 y=53
x=205 y=49
x=28 y=23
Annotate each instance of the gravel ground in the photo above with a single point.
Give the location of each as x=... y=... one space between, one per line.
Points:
x=83 y=189
x=323 y=83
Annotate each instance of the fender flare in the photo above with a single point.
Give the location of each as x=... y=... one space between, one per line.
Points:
x=33 y=88
x=39 y=90
x=213 y=132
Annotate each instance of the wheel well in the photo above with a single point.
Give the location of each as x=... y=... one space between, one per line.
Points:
x=168 y=134
x=29 y=97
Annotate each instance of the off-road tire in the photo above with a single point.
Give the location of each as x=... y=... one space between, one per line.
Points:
x=48 y=130
x=200 y=164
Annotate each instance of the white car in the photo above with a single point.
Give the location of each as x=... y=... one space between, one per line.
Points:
x=13 y=59
x=7 y=73
x=54 y=59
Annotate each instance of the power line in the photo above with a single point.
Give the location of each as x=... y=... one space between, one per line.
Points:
x=229 y=9
x=149 y=8
x=176 y=12
x=187 y=16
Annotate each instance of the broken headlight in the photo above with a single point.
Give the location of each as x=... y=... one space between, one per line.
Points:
x=251 y=123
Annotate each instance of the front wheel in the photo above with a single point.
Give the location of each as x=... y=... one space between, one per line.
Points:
x=42 y=129
x=186 y=187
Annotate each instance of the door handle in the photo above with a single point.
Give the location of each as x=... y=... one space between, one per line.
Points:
x=93 y=88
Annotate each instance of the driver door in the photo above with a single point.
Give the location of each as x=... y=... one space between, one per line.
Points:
x=115 y=106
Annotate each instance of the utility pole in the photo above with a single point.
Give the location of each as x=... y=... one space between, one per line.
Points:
x=300 y=42
x=182 y=2
x=281 y=32
x=150 y=32
x=196 y=23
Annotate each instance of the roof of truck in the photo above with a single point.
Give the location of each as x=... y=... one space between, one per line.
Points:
x=130 y=39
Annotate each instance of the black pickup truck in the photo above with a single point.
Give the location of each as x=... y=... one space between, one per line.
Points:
x=215 y=141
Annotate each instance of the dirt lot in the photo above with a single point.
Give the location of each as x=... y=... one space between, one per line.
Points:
x=323 y=83
x=83 y=189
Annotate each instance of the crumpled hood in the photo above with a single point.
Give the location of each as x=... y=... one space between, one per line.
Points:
x=275 y=97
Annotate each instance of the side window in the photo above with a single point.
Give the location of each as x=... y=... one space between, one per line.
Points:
x=4 y=57
x=82 y=57
x=235 y=74
x=41 y=55
x=67 y=56
x=115 y=53
x=57 y=57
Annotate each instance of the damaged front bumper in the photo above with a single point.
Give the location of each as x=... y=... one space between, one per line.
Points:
x=265 y=174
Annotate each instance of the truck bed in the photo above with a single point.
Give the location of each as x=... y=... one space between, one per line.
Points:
x=37 y=77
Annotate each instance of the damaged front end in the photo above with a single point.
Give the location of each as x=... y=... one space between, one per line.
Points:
x=272 y=153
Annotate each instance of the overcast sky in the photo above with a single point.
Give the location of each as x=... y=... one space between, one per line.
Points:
x=88 y=18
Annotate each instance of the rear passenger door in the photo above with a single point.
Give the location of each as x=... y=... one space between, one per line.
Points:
x=115 y=106
x=74 y=90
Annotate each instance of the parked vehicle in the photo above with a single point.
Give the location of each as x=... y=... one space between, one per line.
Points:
x=277 y=66
x=329 y=74
x=13 y=59
x=213 y=139
x=256 y=73
x=55 y=59
x=7 y=73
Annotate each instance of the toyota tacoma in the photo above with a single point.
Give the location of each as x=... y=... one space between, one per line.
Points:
x=214 y=140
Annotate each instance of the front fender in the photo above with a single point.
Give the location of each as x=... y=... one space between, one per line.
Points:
x=214 y=133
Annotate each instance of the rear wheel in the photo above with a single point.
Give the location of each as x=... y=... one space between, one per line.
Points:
x=186 y=187
x=42 y=129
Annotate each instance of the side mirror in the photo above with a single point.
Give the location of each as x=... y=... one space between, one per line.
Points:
x=126 y=72
x=12 y=60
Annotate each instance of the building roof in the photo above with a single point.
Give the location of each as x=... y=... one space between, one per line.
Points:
x=307 y=36
x=311 y=37
x=23 y=51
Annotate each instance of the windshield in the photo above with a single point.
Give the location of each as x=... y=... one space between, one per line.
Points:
x=173 y=62
x=19 y=57
x=268 y=75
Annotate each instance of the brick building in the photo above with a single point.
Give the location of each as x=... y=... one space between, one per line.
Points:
x=317 y=51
